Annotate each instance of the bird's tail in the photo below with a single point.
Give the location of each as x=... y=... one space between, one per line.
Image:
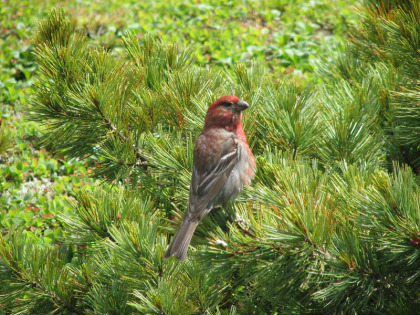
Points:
x=181 y=240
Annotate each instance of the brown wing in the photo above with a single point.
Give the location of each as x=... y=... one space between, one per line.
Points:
x=206 y=185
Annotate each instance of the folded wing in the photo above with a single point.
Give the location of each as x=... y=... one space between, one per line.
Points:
x=205 y=185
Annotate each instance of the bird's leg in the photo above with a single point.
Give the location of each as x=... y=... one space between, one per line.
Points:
x=216 y=209
x=219 y=217
x=238 y=221
x=230 y=212
x=214 y=213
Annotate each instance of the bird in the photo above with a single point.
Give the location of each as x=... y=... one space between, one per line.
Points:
x=222 y=164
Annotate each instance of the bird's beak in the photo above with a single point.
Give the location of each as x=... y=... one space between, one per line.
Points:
x=242 y=105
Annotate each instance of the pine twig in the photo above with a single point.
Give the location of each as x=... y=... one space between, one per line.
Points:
x=55 y=298
x=139 y=153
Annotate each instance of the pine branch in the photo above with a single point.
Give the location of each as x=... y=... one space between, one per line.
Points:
x=57 y=300
x=139 y=154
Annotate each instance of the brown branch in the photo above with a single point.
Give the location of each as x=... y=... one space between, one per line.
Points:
x=142 y=164
x=139 y=153
x=57 y=300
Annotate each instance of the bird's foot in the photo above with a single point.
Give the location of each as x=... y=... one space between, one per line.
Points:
x=233 y=220
x=240 y=223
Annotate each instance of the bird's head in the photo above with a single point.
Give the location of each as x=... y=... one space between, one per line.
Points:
x=225 y=112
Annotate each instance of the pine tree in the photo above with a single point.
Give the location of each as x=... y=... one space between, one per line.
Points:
x=331 y=223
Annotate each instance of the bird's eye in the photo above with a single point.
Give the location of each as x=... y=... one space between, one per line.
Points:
x=228 y=104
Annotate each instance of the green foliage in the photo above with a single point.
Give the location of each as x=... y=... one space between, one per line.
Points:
x=331 y=223
x=351 y=133
x=45 y=282
x=313 y=249
x=108 y=229
x=5 y=138
x=291 y=119
x=384 y=48
x=35 y=185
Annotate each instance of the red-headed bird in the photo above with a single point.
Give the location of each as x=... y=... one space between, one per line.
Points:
x=223 y=163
